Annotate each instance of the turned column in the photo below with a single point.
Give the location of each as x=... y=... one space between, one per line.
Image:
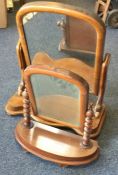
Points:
x=87 y=128
x=26 y=108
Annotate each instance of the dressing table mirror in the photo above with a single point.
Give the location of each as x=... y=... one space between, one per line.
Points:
x=38 y=44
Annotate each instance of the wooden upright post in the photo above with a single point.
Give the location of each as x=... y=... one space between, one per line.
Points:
x=87 y=128
x=26 y=109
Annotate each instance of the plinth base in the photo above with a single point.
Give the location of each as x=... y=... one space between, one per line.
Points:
x=55 y=145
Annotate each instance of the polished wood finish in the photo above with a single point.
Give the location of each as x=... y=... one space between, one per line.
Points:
x=59 y=146
x=21 y=58
x=105 y=65
x=95 y=76
x=26 y=109
x=55 y=145
x=88 y=127
x=97 y=123
x=103 y=82
x=68 y=10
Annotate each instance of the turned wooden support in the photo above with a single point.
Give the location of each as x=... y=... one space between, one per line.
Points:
x=87 y=127
x=21 y=88
x=26 y=108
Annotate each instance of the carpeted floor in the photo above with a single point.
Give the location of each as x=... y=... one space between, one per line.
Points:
x=13 y=159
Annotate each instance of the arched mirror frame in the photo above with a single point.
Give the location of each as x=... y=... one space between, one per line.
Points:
x=64 y=75
x=64 y=9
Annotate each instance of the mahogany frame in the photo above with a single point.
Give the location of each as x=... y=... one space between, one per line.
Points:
x=64 y=75
x=100 y=68
x=60 y=8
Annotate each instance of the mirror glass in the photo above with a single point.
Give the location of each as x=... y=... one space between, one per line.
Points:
x=56 y=99
x=44 y=35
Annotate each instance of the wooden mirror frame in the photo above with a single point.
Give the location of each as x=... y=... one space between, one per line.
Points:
x=64 y=75
x=60 y=8
x=14 y=105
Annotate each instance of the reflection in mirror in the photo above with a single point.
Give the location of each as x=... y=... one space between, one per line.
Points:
x=56 y=99
x=43 y=36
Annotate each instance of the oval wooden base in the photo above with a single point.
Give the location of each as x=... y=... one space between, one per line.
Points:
x=55 y=145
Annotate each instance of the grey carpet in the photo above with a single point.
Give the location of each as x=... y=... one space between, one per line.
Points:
x=13 y=159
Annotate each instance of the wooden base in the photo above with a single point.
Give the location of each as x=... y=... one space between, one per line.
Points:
x=14 y=107
x=55 y=145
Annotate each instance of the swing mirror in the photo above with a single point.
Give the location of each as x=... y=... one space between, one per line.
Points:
x=57 y=95
x=40 y=37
